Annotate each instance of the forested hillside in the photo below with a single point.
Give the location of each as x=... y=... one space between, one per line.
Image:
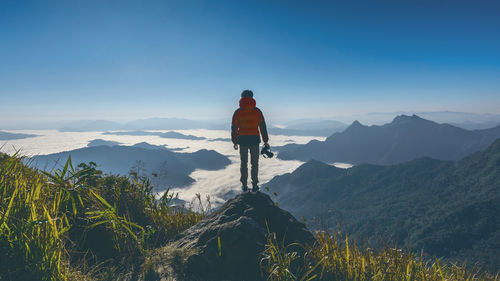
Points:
x=447 y=208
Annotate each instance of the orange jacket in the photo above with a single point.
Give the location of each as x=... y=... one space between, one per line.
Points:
x=247 y=120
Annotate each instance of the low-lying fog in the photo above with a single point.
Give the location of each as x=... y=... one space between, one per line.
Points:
x=217 y=184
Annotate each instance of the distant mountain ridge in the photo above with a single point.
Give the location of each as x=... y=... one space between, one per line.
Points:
x=404 y=139
x=172 y=169
x=12 y=136
x=446 y=116
x=309 y=127
x=169 y=134
x=173 y=124
x=476 y=125
x=448 y=208
x=301 y=127
x=99 y=142
x=90 y=125
x=142 y=124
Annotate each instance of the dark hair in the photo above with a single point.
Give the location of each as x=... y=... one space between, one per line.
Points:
x=247 y=93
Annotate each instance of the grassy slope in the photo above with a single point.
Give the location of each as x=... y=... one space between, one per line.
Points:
x=53 y=225
x=81 y=225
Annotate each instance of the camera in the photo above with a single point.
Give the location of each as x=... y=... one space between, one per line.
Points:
x=266 y=152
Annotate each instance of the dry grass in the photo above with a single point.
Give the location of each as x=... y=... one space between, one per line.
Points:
x=333 y=258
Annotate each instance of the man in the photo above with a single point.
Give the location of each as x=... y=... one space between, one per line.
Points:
x=247 y=120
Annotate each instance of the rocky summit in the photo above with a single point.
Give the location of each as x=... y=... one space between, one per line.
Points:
x=228 y=244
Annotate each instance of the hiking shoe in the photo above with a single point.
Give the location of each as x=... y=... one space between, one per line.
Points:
x=245 y=188
x=255 y=188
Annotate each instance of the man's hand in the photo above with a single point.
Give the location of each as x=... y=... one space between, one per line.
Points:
x=267 y=145
x=235 y=146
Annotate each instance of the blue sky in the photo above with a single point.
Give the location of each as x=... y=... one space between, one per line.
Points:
x=123 y=60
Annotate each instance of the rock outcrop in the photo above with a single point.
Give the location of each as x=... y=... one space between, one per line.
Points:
x=227 y=245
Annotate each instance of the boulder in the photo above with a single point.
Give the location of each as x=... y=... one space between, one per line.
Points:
x=228 y=244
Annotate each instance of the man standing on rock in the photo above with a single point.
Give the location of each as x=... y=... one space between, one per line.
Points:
x=247 y=120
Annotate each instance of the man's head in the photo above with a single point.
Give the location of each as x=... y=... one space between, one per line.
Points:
x=247 y=94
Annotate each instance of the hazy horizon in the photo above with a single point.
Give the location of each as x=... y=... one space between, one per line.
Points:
x=370 y=118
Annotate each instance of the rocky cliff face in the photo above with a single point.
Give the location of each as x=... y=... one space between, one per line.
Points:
x=227 y=245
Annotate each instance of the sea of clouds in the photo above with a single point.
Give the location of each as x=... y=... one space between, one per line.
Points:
x=219 y=185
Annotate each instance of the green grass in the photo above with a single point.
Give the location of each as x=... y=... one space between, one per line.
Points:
x=69 y=222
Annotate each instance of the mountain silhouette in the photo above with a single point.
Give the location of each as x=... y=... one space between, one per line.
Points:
x=448 y=208
x=13 y=136
x=142 y=124
x=220 y=139
x=172 y=169
x=404 y=139
x=99 y=142
x=309 y=127
x=169 y=135
x=173 y=124
x=476 y=125
x=90 y=125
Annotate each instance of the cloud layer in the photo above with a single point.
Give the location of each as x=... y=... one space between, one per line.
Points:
x=216 y=184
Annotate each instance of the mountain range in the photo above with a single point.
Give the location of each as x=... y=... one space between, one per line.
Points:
x=300 y=127
x=404 y=139
x=449 y=209
x=171 y=169
x=466 y=120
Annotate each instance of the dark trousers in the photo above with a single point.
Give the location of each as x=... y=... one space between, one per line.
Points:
x=254 y=160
